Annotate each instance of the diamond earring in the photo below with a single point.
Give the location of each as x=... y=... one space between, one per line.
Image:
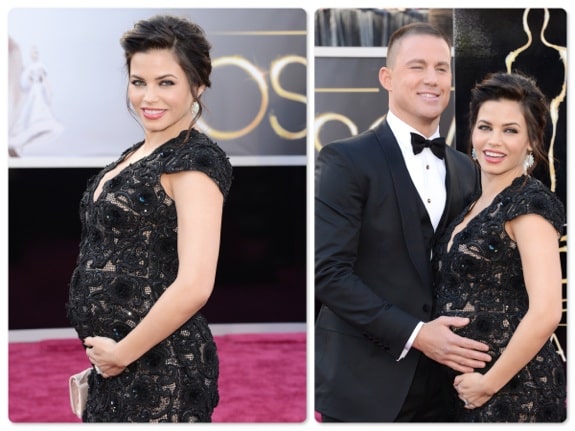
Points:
x=529 y=162
x=195 y=108
x=473 y=154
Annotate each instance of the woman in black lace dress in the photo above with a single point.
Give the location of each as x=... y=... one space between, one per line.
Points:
x=150 y=242
x=499 y=265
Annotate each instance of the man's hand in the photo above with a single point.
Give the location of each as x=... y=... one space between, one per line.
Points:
x=438 y=342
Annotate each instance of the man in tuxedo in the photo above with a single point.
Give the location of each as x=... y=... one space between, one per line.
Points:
x=379 y=203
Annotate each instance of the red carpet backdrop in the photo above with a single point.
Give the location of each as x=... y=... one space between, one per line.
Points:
x=262 y=379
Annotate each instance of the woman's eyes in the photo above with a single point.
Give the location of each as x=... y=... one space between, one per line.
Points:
x=141 y=83
x=507 y=130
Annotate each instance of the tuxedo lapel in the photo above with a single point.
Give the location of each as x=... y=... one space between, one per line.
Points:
x=406 y=196
x=454 y=191
x=450 y=188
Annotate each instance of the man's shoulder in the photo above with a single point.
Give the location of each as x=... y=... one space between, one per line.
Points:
x=366 y=135
x=459 y=157
x=356 y=143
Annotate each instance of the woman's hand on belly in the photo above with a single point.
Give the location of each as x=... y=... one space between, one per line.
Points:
x=101 y=352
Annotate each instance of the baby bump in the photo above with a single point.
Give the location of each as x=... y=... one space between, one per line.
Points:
x=493 y=328
x=107 y=304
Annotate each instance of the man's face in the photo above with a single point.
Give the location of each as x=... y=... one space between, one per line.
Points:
x=419 y=80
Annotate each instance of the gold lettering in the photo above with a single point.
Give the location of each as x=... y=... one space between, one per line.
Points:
x=327 y=117
x=258 y=78
x=276 y=69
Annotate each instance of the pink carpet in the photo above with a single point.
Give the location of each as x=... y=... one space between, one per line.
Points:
x=262 y=378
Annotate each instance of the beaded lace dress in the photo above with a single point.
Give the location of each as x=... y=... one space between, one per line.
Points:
x=480 y=277
x=127 y=258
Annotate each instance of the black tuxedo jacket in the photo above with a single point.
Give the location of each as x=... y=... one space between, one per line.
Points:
x=372 y=273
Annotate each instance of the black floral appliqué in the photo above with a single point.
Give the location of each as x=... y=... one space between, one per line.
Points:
x=481 y=277
x=128 y=258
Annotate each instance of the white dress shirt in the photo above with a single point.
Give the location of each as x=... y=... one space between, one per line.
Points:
x=427 y=173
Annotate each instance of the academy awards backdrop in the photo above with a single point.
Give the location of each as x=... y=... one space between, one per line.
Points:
x=350 y=48
x=68 y=118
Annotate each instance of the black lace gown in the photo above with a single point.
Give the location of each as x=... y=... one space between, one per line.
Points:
x=480 y=277
x=128 y=257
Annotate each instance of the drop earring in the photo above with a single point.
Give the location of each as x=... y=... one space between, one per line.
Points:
x=195 y=108
x=473 y=154
x=529 y=162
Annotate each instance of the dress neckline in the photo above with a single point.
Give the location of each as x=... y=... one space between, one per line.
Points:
x=125 y=154
x=451 y=239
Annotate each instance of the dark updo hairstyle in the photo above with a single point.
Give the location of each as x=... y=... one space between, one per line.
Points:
x=185 y=39
x=519 y=88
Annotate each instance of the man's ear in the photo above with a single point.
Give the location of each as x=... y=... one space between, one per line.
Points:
x=385 y=77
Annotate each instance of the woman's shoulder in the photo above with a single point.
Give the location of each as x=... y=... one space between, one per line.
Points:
x=195 y=151
x=189 y=143
x=528 y=195
x=530 y=188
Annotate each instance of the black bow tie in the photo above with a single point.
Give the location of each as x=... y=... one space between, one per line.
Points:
x=437 y=145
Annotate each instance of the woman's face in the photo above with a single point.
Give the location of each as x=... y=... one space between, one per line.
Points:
x=159 y=93
x=500 y=138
